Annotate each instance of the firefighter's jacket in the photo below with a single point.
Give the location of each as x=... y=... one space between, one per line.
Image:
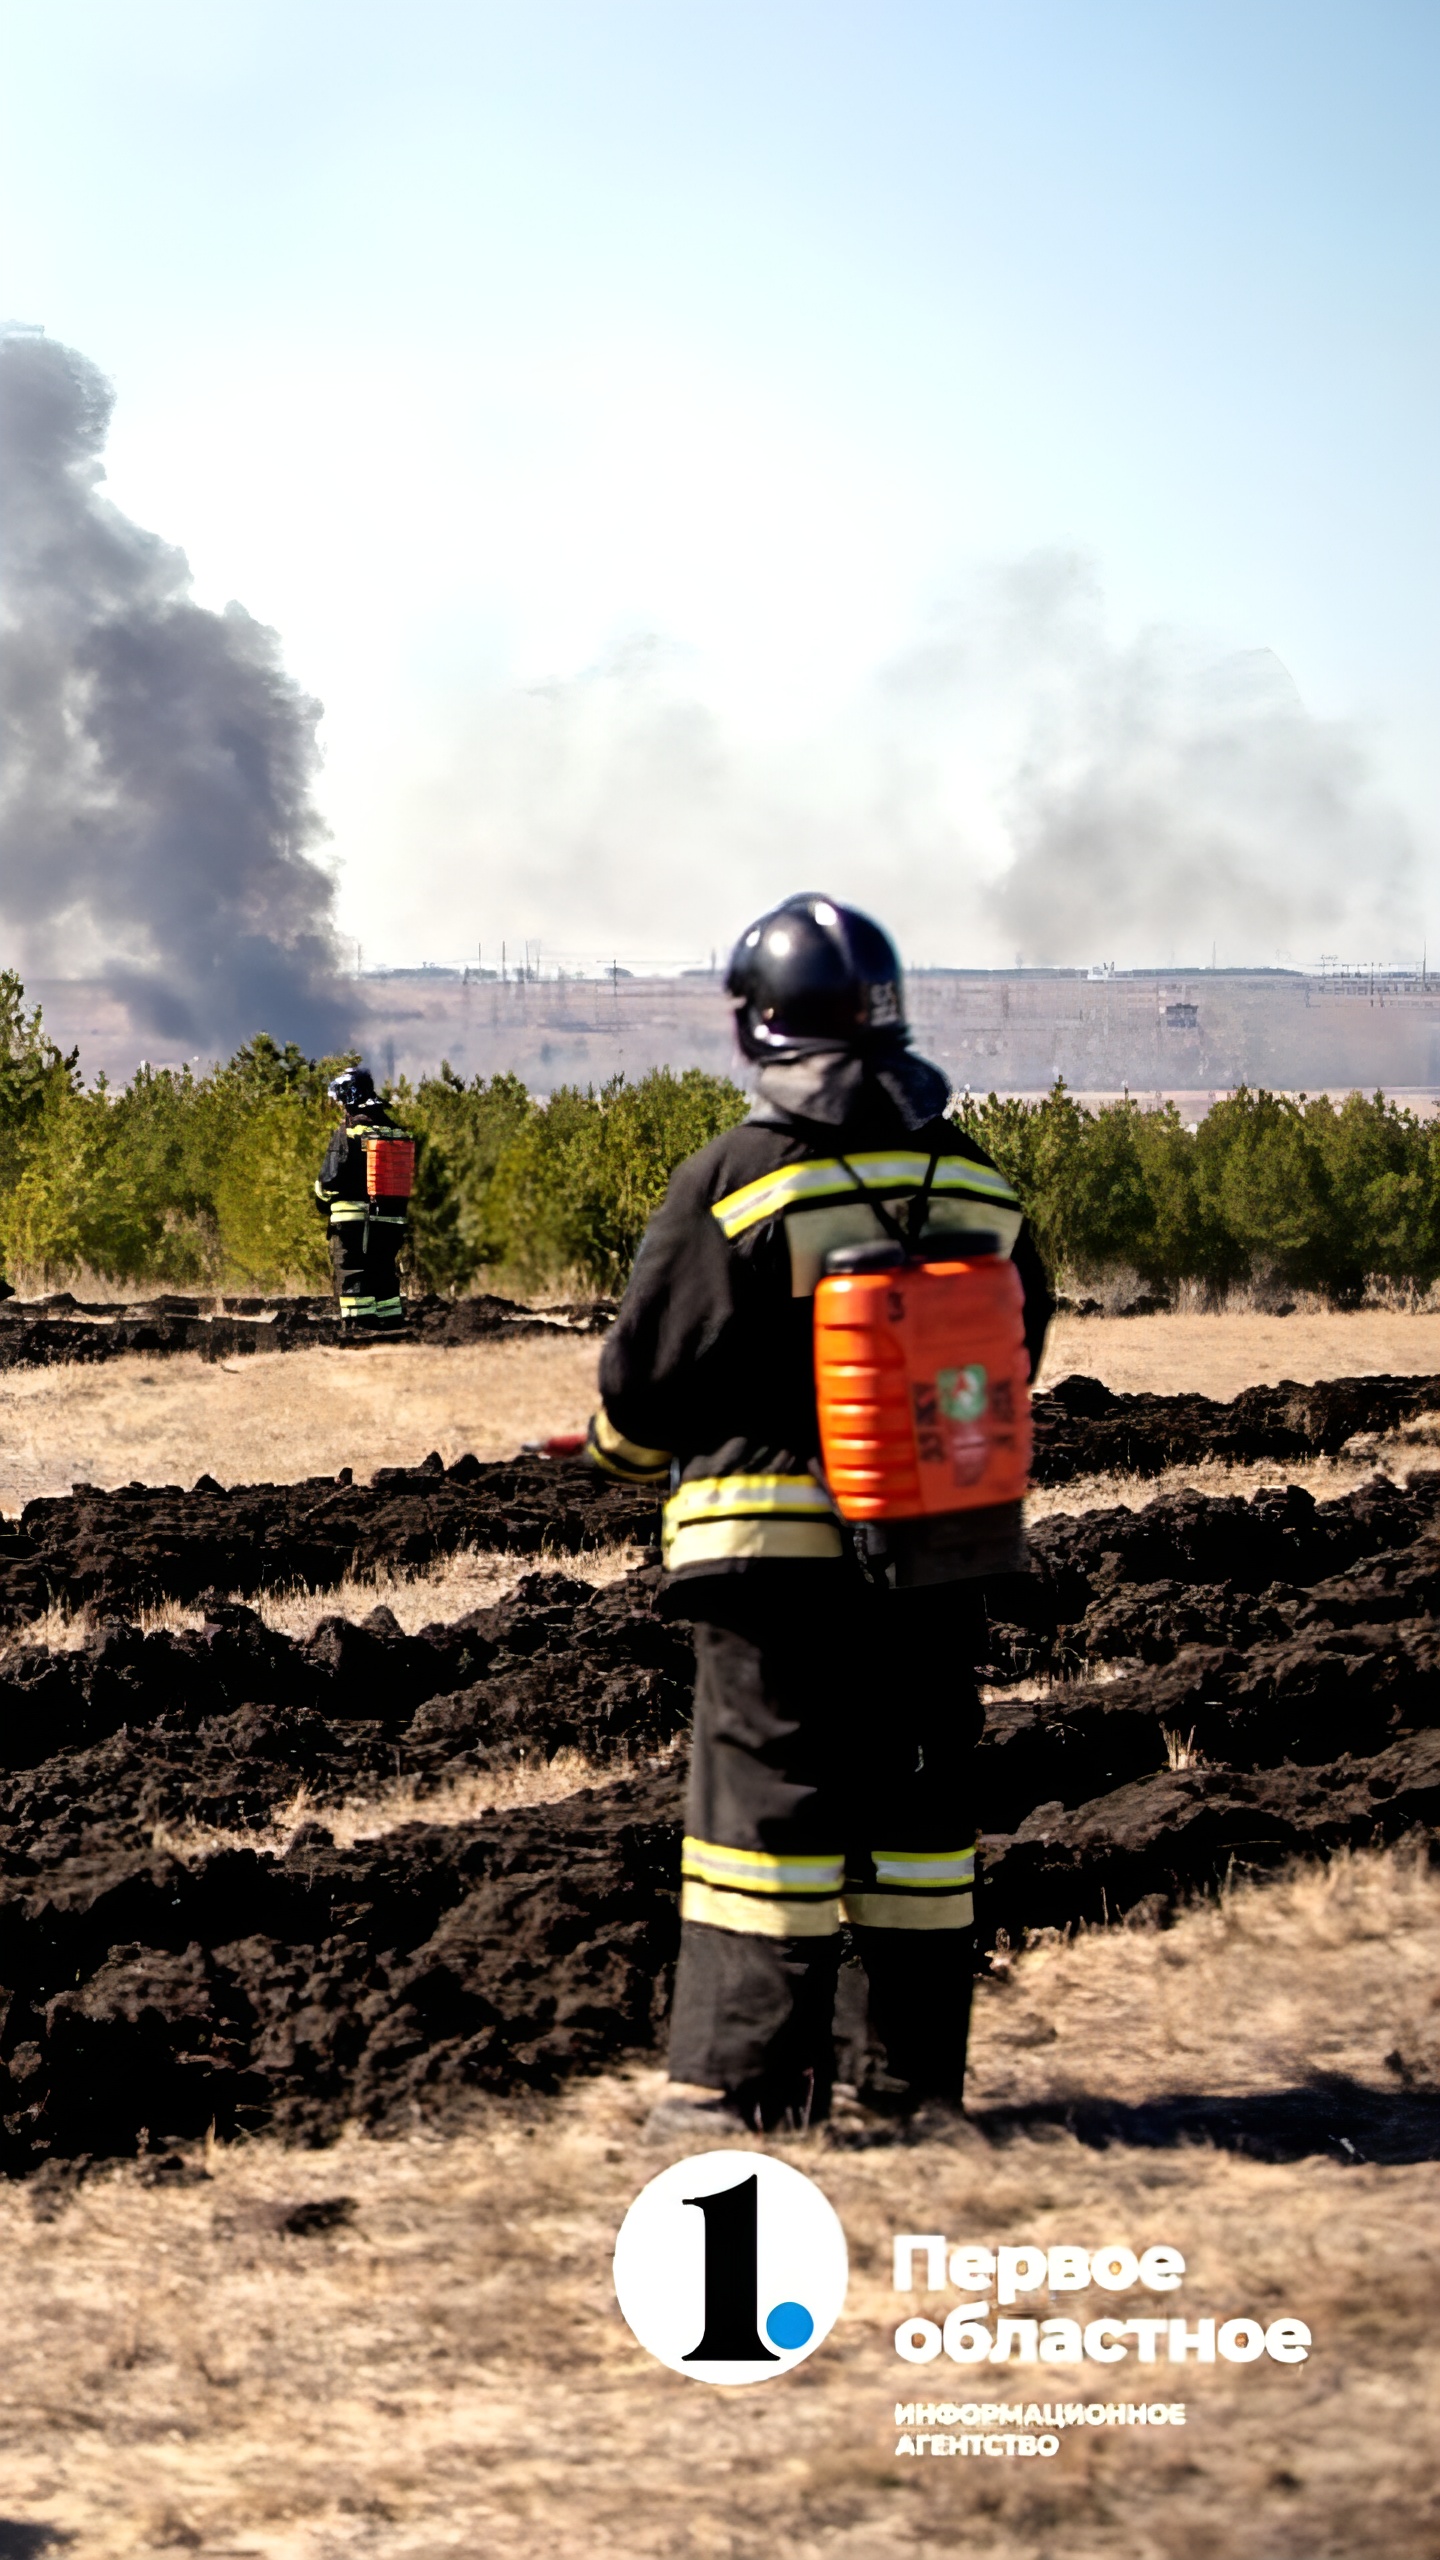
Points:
x=340 y=1193
x=707 y=1378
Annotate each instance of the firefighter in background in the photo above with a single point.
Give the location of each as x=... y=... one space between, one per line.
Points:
x=363 y=1192
x=836 y=1718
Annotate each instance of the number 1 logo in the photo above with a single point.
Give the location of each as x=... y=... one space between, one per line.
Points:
x=731 y=2267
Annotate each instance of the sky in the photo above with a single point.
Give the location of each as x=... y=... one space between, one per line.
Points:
x=975 y=459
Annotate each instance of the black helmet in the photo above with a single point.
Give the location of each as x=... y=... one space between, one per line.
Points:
x=813 y=975
x=352 y=1088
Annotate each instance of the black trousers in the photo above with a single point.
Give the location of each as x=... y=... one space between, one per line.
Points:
x=830 y=1814
x=363 y=1257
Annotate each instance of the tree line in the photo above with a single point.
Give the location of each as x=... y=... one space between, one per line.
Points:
x=191 y=1182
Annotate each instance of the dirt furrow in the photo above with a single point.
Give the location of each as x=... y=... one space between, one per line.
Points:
x=122 y=1549
x=150 y=1996
x=1197 y=1688
x=1086 y=1428
x=137 y=1544
x=547 y=1666
x=44 y=1333
x=221 y=1724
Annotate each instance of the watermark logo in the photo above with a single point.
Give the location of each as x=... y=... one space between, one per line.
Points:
x=731 y=2267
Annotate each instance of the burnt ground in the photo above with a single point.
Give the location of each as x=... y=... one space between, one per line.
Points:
x=1084 y=1428
x=1284 y=1651
x=123 y=1547
x=40 y=1333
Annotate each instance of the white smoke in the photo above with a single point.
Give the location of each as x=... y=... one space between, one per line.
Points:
x=1016 y=781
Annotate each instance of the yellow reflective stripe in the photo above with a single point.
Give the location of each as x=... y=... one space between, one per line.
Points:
x=756 y=1871
x=613 y=1444
x=347 y=1212
x=748 y=1915
x=953 y=1173
x=872 y=1170
x=736 y=1541
x=908 y=1866
x=776 y=1191
x=726 y=1497
x=910 y=1910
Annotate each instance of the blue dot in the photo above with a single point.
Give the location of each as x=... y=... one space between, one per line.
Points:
x=789 y=2325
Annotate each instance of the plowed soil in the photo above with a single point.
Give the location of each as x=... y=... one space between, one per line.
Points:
x=1178 y=1693
x=120 y=1549
x=139 y=1543
x=40 y=1333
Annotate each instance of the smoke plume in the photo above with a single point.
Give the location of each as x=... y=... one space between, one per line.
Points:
x=1164 y=800
x=158 y=824
x=1015 y=780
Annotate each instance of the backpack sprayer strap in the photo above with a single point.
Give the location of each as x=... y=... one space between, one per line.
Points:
x=907 y=1237
x=919 y=1206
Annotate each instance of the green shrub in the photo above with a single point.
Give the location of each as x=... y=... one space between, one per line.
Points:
x=70 y=1203
x=1267 y=1188
x=438 y=1256
x=183 y=1180
x=270 y=1236
x=465 y=1130
x=579 y=1183
x=1382 y=1169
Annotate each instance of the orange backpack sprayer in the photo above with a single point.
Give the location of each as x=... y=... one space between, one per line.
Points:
x=389 y=1168
x=922 y=1382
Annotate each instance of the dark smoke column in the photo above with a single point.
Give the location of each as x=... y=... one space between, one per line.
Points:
x=156 y=820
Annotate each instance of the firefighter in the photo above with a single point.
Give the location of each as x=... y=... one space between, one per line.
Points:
x=367 y=1223
x=831 y=1774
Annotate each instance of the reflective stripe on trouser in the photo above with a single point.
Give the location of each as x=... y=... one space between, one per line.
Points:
x=850 y=1718
x=761 y=1896
x=913 y=1889
x=757 y=1895
x=366 y=1284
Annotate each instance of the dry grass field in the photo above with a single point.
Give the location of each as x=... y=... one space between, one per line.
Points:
x=444 y=2370
x=277 y=1417
x=437 y=2366
x=1217 y=1355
